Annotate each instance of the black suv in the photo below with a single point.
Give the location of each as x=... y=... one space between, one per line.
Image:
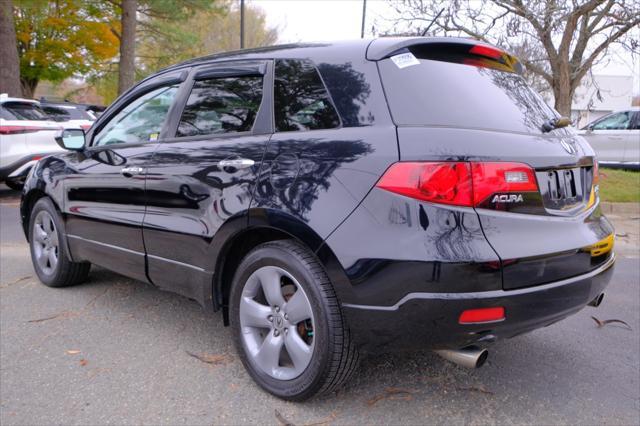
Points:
x=330 y=199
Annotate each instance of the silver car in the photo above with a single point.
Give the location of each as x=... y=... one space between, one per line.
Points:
x=616 y=138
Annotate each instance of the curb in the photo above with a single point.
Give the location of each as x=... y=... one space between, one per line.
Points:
x=620 y=209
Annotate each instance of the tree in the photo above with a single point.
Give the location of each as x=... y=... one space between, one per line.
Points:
x=205 y=32
x=137 y=17
x=127 y=68
x=59 y=39
x=558 y=41
x=10 y=64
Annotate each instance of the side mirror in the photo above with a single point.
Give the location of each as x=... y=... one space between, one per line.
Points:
x=71 y=139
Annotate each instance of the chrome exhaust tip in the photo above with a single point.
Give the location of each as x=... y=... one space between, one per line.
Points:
x=469 y=357
x=597 y=301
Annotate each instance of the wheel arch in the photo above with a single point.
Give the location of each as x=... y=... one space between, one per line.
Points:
x=266 y=225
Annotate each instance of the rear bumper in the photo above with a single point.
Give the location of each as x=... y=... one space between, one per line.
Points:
x=19 y=168
x=430 y=320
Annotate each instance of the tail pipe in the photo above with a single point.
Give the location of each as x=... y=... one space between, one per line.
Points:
x=469 y=357
x=597 y=301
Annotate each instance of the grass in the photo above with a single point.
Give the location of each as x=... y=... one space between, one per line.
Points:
x=622 y=186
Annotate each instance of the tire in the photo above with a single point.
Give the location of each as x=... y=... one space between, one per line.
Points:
x=311 y=349
x=48 y=251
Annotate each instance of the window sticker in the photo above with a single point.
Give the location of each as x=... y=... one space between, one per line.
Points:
x=404 y=60
x=153 y=137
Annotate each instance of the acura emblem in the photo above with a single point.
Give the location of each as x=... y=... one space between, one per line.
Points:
x=569 y=147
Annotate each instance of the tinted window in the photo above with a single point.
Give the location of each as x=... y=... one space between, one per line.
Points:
x=140 y=121
x=439 y=93
x=24 y=111
x=221 y=105
x=66 y=112
x=619 y=121
x=635 y=124
x=301 y=100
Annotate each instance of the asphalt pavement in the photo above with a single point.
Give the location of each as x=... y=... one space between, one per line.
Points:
x=117 y=351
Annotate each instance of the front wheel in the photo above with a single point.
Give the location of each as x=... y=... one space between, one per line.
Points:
x=287 y=322
x=48 y=253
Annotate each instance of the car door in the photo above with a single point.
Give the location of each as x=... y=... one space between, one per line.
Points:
x=104 y=190
x=607 y=137
x=204 y=174
x=632 y=141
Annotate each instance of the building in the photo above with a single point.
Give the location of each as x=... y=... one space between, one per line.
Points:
x=599 y=95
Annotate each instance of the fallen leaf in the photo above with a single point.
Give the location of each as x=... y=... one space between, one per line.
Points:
x=478 y=388
x=602 y=323
x=73 y=352
x=393 y=394
x=59 y=315
x=212 y=359
x=83 y=362
x=282 y=420
x=622 y=235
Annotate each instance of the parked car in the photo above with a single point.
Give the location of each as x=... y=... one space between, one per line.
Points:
x=334 y=199
x=616 y=138
x=78 y=115
x=26 y=134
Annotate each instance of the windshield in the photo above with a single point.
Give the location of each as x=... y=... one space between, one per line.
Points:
x=437 y=93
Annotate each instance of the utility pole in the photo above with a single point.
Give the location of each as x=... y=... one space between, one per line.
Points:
x=364 y=14
x=241 y=24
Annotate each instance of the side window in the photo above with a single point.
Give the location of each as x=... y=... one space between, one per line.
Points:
x=221 y=105
x=635 y=123
x=619 y=121
x=140 y=121
x=301 y=100
x=58 y=114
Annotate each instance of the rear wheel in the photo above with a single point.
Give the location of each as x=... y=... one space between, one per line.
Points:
x=48 y=253
x=287 y=322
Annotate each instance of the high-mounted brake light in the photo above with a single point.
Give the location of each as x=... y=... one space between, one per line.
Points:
x=482 y=315
x=486 y=51
x=458 y=183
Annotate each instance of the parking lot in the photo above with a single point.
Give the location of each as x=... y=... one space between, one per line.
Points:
x=117 y=351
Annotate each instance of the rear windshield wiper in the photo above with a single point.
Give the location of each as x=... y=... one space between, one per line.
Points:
x=555 y=123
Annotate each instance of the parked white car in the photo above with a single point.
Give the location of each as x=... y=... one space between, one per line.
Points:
x=26 y=135
x=616 y=138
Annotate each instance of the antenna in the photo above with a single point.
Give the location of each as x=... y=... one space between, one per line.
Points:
x=432 y=21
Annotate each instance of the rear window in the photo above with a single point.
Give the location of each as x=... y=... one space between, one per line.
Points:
x=301 y=100
x=462 y=92
x=23 y=111
x=66 y=112
x=221 y=105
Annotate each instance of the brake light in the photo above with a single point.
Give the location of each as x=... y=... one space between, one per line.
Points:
x=85 y=127
x=445 y=182
x=13 y=129
x=475 y=316
x=457 y=183
x=486 y=51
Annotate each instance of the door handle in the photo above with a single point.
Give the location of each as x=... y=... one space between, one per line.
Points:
x=132 y=170
x=237 y=163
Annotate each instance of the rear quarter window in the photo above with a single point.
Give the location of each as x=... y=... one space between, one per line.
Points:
x=448 y=94
x=301 y=100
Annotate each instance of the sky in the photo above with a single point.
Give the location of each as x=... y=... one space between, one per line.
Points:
x=325 y=20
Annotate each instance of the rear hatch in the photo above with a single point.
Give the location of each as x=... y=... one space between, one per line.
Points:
x=534 y=182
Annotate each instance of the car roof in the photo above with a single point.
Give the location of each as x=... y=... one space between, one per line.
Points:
x=6 y=98
x=331 y=51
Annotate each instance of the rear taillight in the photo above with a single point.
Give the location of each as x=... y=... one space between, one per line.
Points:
x=458 y=183
x=13 y=129
x=596 y=173
x=85 y=127
x=445 y=183
x=482 y=315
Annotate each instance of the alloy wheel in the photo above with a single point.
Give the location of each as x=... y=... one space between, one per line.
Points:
x=277 y=323
x=45 y=242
